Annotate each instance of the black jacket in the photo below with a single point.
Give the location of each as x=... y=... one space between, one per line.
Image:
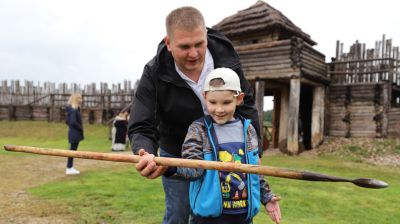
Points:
x=164 y=104
x=74 y=122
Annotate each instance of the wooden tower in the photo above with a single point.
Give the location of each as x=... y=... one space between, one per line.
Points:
x=279 y=60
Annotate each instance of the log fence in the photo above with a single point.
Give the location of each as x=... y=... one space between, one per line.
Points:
x=361 y=65
x=364 y=95
x=46 y=102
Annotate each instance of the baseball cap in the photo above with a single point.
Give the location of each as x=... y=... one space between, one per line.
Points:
x=230 y=78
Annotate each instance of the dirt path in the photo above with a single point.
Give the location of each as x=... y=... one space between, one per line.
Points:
x=18 y=173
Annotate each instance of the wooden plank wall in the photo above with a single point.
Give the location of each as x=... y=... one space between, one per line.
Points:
x=362 y=110
x=356 y=110
x=266 y=59
x=364 y=91
x=337 y=110
x=47 y=101
x=394 y=122
x=312 y=61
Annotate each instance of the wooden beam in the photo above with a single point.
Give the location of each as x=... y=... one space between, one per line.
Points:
x=283 y=118
x=262 y=45
x=273 y=74
x=293 y=117
x=309 y=82
x=260 y=108
x=317 y=120
x=275 y=118
x=265 y=52
x=385 y=110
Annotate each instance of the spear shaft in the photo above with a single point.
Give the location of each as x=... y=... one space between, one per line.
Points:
x=212 y=165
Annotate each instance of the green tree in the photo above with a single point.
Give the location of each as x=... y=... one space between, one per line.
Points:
x=268 y=116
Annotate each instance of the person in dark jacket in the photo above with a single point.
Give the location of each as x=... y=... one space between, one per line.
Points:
x=119 y=131
x=169 y=98
x=75 y=129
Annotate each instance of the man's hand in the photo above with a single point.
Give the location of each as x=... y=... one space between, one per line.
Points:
x=273 y=209
x=147 y=167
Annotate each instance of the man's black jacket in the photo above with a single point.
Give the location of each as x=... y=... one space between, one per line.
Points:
x=165 y=105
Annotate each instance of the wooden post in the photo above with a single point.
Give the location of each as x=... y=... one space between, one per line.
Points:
x=4 y=93
x=260 y=84
x=293 y=116
x=385 y=109
x=317 y=120
x=275 y=120
x=51 y=111
x=347 y=105
x=11 y=113
x=108 y=100
x=284 y=106
x=337 y=50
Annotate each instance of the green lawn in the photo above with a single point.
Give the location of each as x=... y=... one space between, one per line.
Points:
x=120 y=195
x=52 y=135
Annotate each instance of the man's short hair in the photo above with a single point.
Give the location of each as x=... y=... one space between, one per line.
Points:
x=187 y=18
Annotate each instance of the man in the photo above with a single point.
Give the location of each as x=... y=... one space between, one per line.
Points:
x=169 y=98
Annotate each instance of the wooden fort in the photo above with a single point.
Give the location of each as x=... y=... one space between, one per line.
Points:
x=364 y=95
x=357 y=94
x=47 y=102
x=278 y=58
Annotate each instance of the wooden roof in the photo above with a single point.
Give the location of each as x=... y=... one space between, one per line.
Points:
x=259 y=17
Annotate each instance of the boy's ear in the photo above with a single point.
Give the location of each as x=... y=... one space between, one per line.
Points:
x=240 y=98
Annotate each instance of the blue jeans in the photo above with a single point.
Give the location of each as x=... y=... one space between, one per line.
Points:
x=177 y=207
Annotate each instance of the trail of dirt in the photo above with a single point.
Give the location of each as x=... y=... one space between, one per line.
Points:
x=19 y=173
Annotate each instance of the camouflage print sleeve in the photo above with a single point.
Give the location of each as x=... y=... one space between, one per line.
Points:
x=192 y=148
x=265 y=192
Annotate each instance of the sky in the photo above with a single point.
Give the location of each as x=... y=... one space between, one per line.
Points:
x=93 y=41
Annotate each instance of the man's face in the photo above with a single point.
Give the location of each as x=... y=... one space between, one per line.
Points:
x=221 y=105
x=188 y=49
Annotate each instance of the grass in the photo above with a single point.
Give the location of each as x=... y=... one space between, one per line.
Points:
x=120 y=195
x=51 y=135
x=324 y=202
x=108 y=196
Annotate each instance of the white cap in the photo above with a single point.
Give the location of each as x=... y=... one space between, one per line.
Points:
x=230 y=78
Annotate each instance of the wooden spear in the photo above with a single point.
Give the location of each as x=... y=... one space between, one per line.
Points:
x=211 y=165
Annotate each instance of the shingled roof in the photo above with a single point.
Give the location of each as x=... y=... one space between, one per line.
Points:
x=259 y=17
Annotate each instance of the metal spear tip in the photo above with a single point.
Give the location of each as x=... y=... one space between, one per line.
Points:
x=370 y=183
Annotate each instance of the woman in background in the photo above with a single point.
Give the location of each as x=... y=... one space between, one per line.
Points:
x=75 y=129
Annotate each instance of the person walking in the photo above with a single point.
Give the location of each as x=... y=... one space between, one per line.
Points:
x=75 y=129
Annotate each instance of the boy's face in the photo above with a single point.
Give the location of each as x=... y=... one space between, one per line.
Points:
x=221 y=105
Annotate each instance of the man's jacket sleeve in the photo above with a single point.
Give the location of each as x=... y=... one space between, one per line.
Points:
x=143 y=122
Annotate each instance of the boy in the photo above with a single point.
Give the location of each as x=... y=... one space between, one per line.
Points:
x=216 y=196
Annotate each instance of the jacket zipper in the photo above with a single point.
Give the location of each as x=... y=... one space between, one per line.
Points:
x=248 y=177
x=215 y=159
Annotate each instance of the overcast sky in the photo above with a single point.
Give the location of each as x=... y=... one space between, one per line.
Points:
x=87 y=41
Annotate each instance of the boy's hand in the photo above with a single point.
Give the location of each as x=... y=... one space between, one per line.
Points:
x=273 y=209
x=147 y=167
